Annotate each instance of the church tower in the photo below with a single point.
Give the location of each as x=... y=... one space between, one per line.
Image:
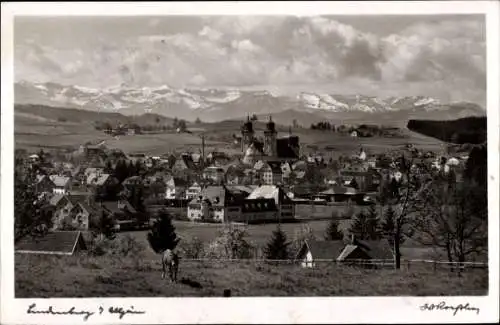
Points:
x=247 y=134
x=270 y=139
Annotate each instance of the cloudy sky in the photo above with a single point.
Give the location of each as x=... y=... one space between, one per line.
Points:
x=440 y=56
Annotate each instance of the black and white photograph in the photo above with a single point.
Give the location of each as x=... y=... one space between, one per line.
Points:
x=213 y=155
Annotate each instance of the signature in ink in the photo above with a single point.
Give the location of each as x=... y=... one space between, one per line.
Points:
x=442 y=306
x=122 y=312
x=86 y=314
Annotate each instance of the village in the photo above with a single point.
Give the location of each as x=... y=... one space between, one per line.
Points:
x=271 y=182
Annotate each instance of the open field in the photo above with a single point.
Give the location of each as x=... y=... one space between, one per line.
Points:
x=81 y=276
x=33 y=132
x=259 y=235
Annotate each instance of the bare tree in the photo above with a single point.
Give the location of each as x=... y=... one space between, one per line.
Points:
x=453 y=216
x=404 y=201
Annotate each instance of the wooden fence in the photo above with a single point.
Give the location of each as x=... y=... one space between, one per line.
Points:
x=417 y=264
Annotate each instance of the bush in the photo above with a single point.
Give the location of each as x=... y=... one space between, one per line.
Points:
x=125 y=246
x=231 y=244
x=192 y=248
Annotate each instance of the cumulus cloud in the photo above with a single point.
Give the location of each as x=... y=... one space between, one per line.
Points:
x=263 y=50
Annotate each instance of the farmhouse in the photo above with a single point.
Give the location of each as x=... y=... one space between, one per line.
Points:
x=54 y=243
x=313 y=251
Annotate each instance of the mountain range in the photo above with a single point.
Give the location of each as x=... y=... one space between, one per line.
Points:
x=211 y=105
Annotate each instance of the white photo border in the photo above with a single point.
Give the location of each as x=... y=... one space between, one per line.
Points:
x=243 y=309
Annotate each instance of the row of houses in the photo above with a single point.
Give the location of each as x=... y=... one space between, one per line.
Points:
x=266 y=203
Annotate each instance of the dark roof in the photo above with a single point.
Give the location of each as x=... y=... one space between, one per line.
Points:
x=328 y=249
x=376 y=249
x=77 y=198
x=112 y=206
x=258 y=205
x=57 y=242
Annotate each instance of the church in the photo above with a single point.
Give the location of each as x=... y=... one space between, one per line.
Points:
x=272 y=148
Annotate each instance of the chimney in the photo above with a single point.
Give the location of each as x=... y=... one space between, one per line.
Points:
x=353 y=239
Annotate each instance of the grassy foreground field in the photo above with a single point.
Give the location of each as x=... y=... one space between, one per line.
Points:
x=82 y=276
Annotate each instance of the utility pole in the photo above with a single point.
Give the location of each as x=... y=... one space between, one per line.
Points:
x=202 y=150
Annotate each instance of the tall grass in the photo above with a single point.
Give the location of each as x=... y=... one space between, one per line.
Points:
x=115 y=276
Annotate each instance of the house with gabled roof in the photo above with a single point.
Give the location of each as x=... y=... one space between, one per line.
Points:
x=215 y=203
x=53 y=243
x=175 y=188
x=269 y=172
x=369 y=250
x=183 y=163
x=68 y=213
x=62 y=184
x=313 y=253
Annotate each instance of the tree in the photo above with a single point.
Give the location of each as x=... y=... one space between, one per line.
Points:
x=277 y=247
x=476 y=168
x=32 y=215
x=197 y=121
x=373 y=223
x=403 y=198
x=388 y=225
x=182 y=125
x=333 y=232
x=453 y=217
x=121 y=171
x=295 y=124
x=230 y=244
x=105 y=227
x=162 y=235
x=175 y=122
x=362 y=227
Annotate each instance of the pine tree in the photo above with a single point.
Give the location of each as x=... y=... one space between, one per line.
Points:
x=373 y=223
x=162 y=235
x=333 y=232
x=277 y=247
x=365 y=227
x=389 y=225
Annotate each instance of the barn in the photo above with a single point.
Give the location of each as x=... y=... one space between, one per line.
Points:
x=369 y=250
x=312 y=251
x=53 y=243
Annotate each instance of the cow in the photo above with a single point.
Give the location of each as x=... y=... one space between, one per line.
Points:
x=170 y=260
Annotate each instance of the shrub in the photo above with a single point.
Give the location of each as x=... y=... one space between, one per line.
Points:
x=333 y=232
x=192 y=248
x=231 y=244
x=125 y=246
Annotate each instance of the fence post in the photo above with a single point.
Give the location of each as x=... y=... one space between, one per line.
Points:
x=408 y=263
x=435 y=265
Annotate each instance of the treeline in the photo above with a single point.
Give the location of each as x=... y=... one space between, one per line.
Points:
x=460 y=131
x=363 y=130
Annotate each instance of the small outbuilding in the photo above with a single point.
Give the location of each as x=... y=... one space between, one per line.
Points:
x=53 y=243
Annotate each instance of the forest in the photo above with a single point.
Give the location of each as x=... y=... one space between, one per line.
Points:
x=465 y=130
